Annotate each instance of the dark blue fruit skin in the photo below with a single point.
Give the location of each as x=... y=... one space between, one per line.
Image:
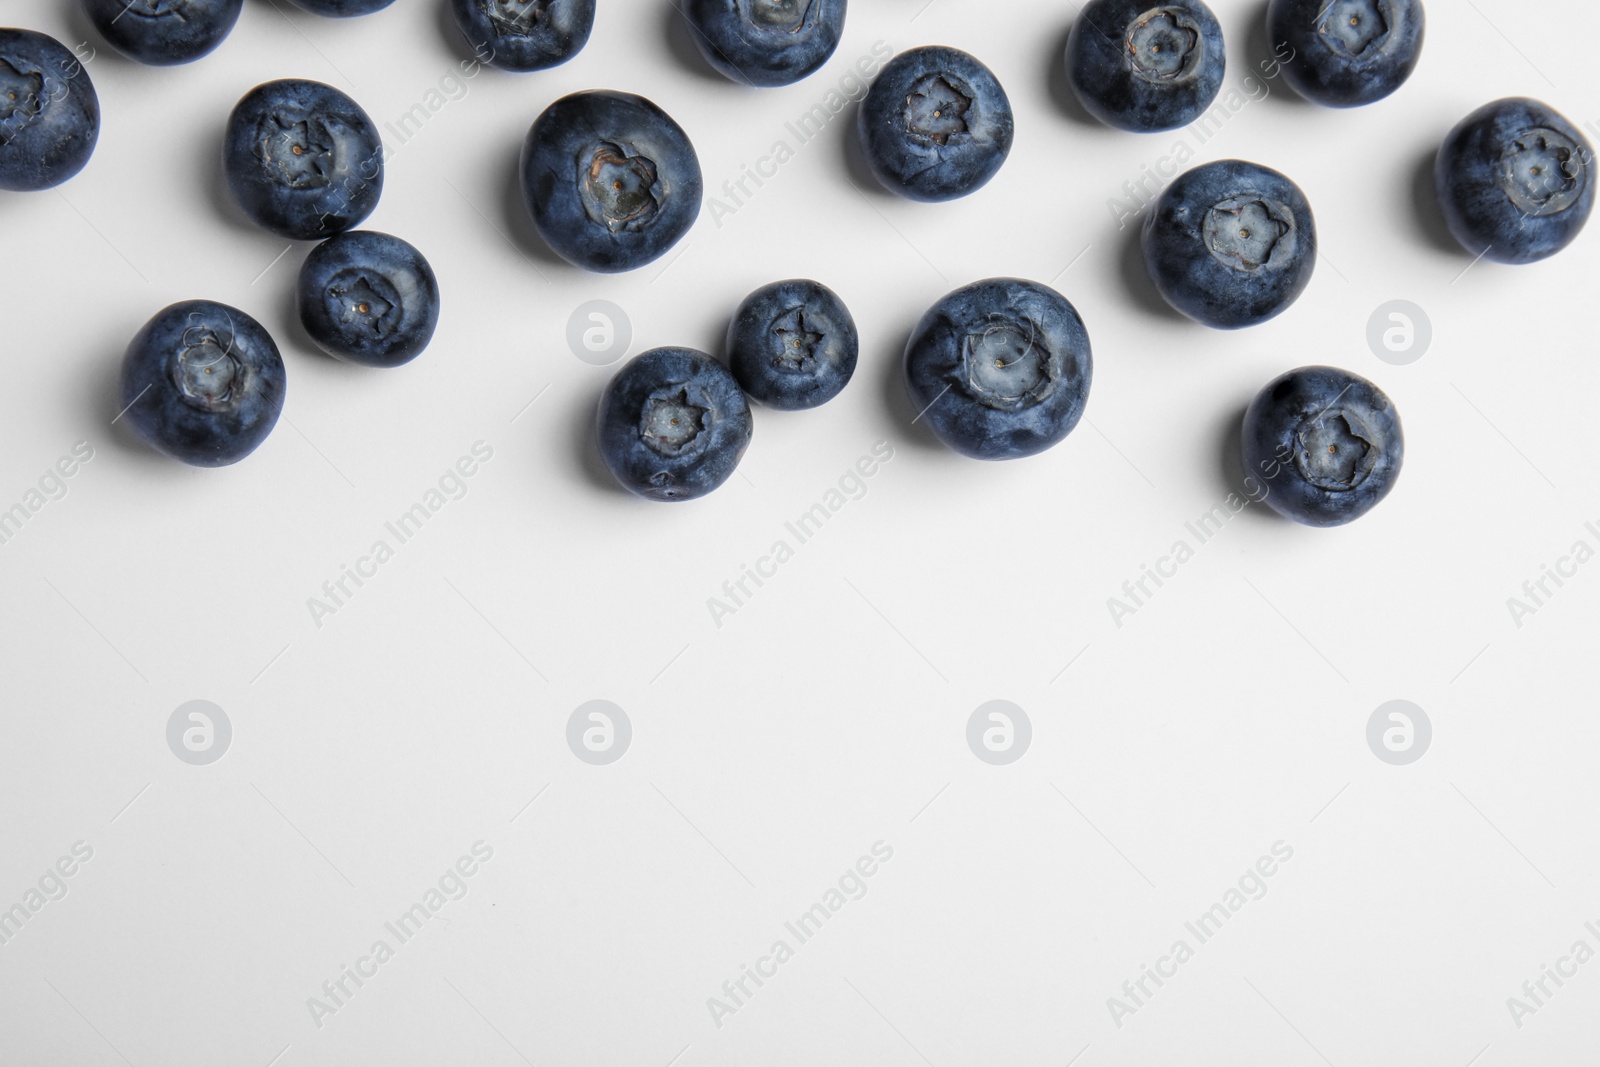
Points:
x=343 y=9
x=49 y=113
x=914 y=146
x=766 y=42
x=792 y=345
x=163 y=33
x=1228 y=294
x=1492 y=213
x=391 y=280
x=1120 y=65
x=1349 y=65
x=524 y=35
x=576 y=154
x=1327 y=444
x=210 y=347
x=987 y=411
x=712 y=428
x=330 y=185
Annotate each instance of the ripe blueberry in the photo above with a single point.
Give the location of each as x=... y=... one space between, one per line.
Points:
x=936 y=125
x=1346 y=53
x=611 y=181
x=163 y=33
x=1326 y=442
x=203 y=383
x=792 y=345
x=766 y=42
x=1230 y=243
x=366 y=297
x=1000 y=369
x=1515 y=181
x=525 y=34
x=302 y=159
x=673 y=424
x=49 y=113
x=1145 y=66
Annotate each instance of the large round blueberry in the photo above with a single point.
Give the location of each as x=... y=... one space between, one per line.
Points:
x=525 y=34
x=49 y=113
x=766 y=42
x=1346 y=53
x=1515 y=181
x=369 y=298
x=343 y=9
x=163 y=33
x=935 y=125
x=673 y=424
x=1145 y=66
x=303 y=159
x=203 y=383
x=1000 y=369
x=1230 y=243
x=611 y=181
x=1326 y=443
x=792 y=345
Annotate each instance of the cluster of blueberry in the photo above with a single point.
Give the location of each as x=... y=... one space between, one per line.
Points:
x=204 y=382
x=674 y=422
x=1000 y=369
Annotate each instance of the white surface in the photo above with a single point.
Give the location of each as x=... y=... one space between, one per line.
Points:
x=828 y=713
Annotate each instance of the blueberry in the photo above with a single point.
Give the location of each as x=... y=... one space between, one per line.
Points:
x=525 y=34
x=673 y=424
x=1346 y=53
x=343 y=9
x=163 y=33
x=610 y=180
x=792 y=345
x=936 y=125
x=766 y=42
x=1146 y=67
x=369 y=298
x=1326 y=442
x=49 y=113
x=1000 y=369
x=302 y=159
x=203 y=383
x=1516 y=181
x=1230 y=243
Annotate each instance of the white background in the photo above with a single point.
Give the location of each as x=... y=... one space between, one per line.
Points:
x=830 y=711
